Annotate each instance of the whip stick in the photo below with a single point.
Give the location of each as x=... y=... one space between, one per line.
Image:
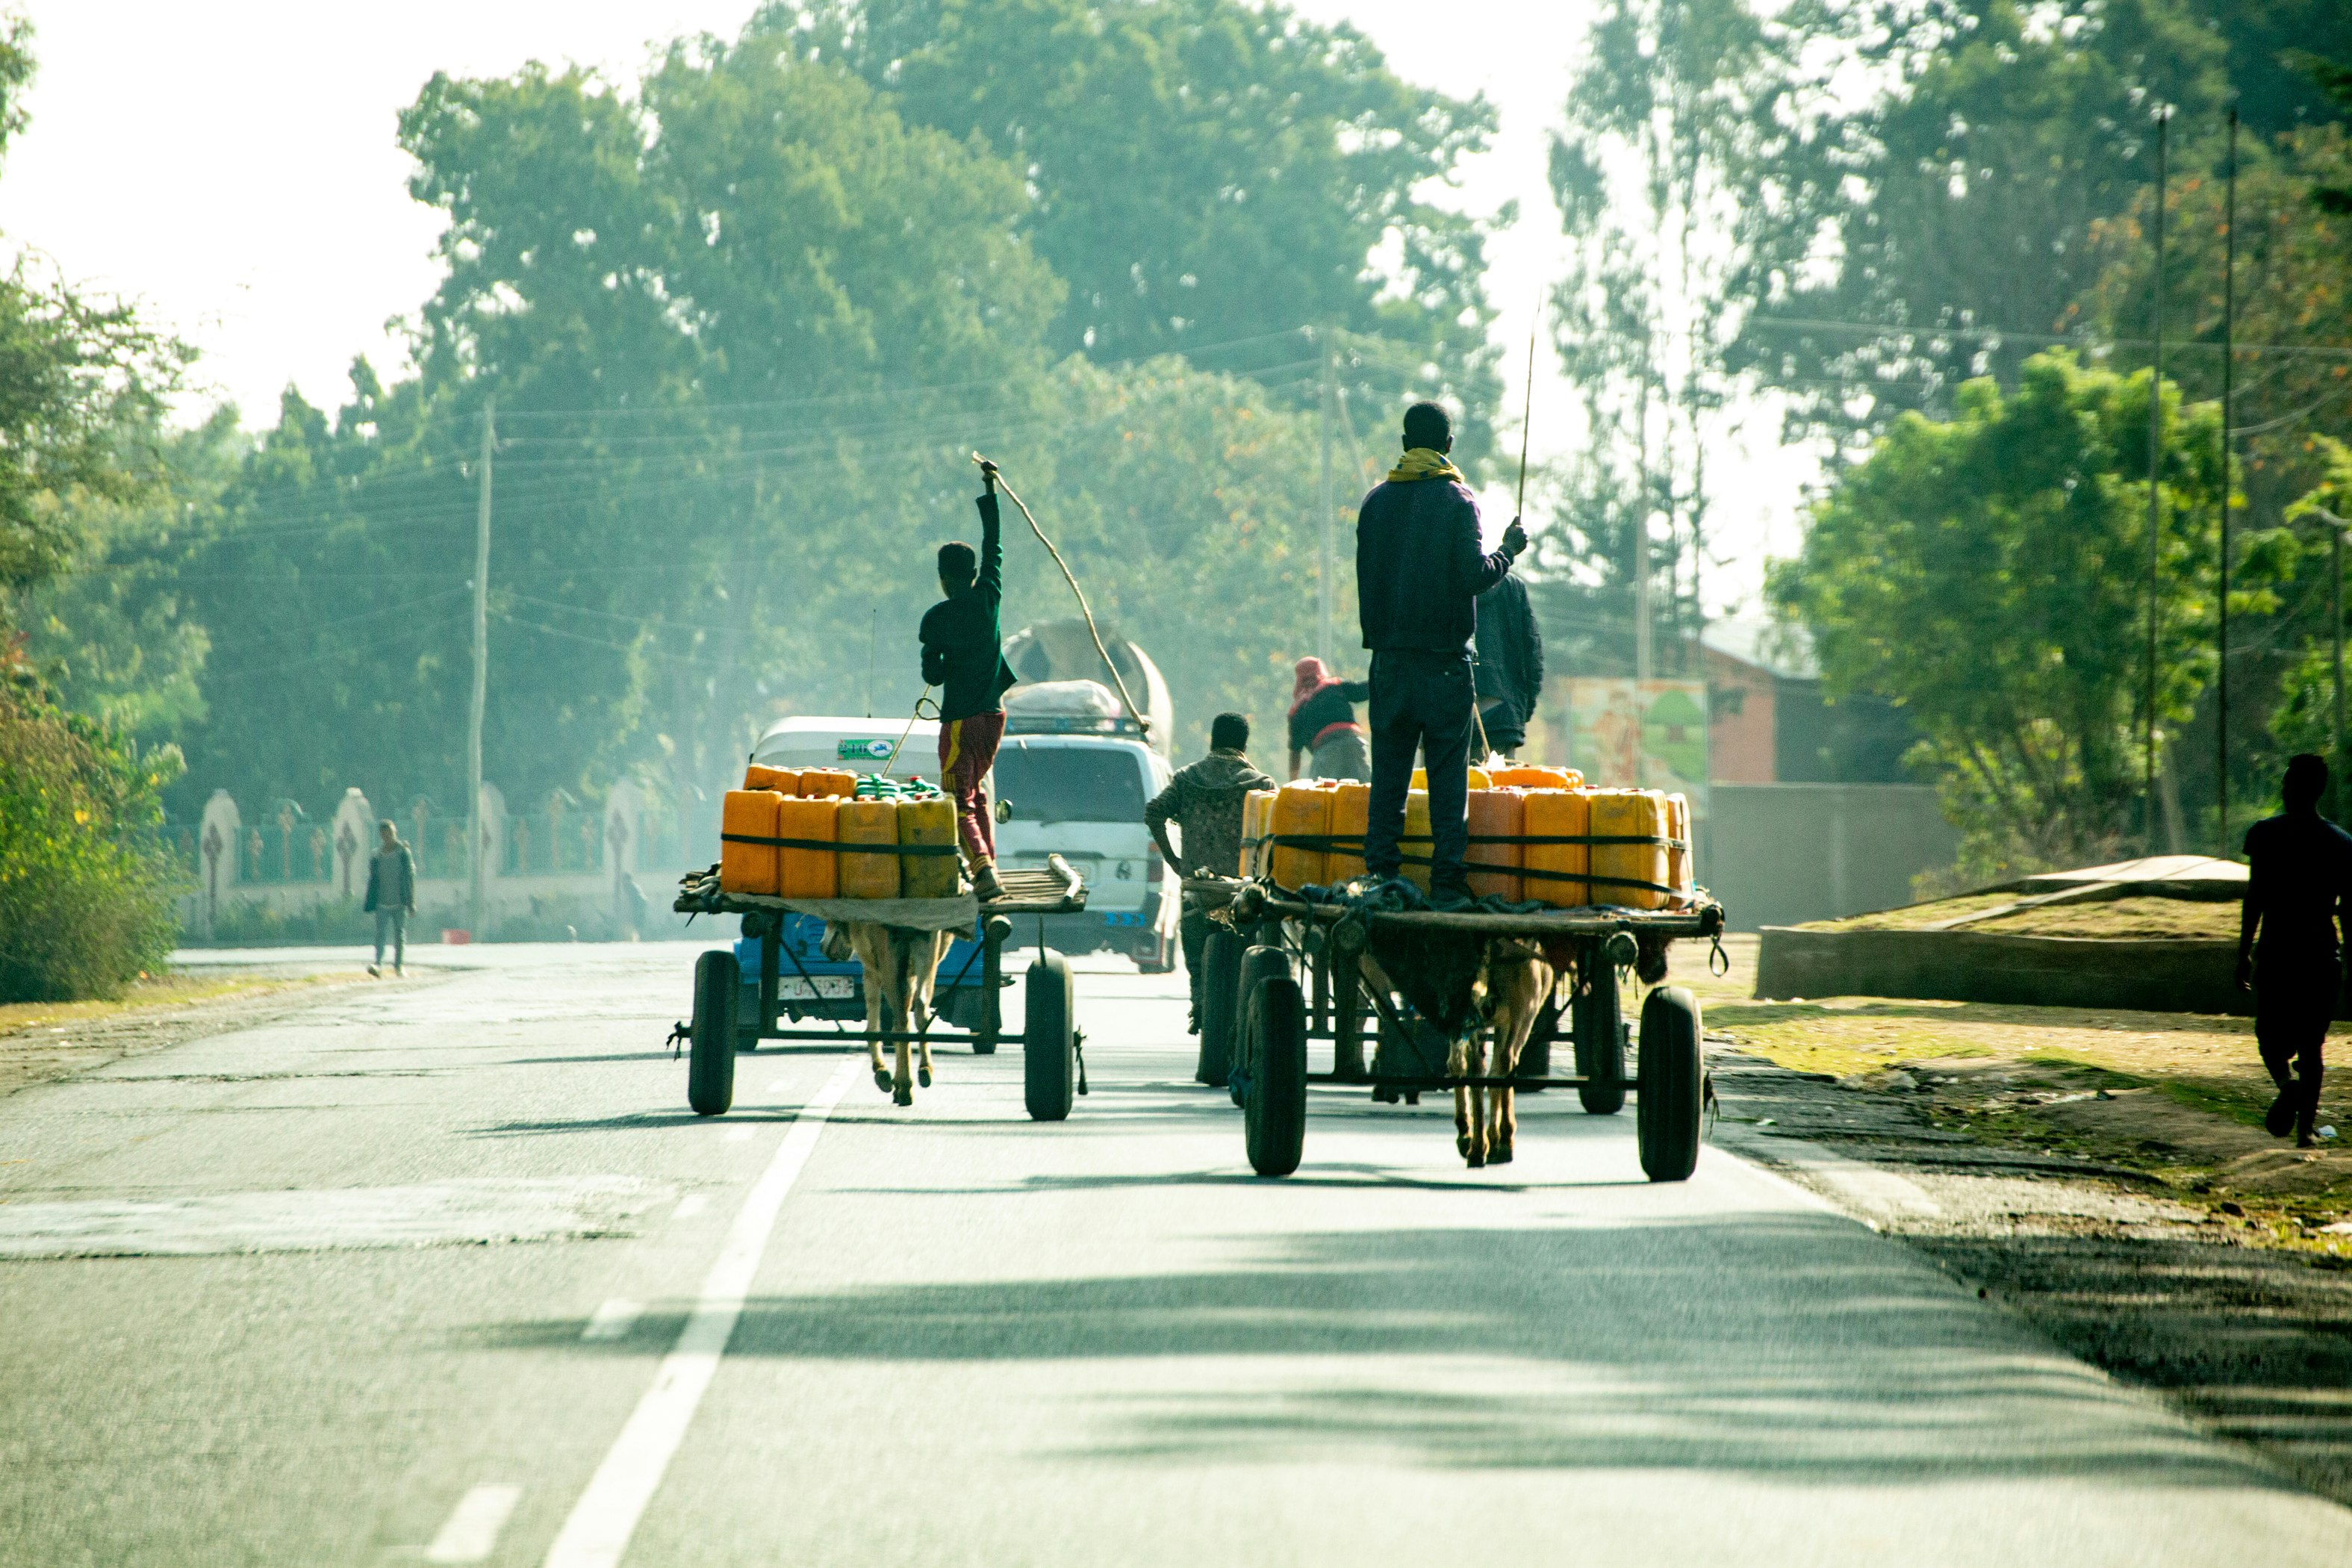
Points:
x=1142 y=722
x=1528 y=423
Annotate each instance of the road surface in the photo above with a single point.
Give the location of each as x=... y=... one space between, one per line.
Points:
x=445 y=1271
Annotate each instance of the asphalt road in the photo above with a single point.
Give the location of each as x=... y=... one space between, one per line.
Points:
x=445 y=1271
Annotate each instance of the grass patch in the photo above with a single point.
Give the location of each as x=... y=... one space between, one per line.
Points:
x=146 y=992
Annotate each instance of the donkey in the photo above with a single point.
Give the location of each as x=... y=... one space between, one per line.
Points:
x=901 y=965
x=1515 y=981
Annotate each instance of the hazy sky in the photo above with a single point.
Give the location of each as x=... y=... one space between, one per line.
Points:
x=231 y=164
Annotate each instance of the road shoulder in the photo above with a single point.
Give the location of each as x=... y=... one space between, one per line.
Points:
x=40 y=1042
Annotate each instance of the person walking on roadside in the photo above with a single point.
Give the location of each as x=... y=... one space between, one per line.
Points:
x=1204 y=801
x=2290 y=942
x=1418 y=573
x=963 y=656
x=1323 y=727
x=1510 y=665
x=391 y=896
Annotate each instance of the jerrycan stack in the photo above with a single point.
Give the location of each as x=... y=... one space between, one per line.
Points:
x=823 y=833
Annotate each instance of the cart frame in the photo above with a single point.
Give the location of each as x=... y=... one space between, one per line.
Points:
x=717 y=1034
x=1604 y=937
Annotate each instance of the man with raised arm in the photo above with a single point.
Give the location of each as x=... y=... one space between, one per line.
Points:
x=1418 y=573
x=963 y=656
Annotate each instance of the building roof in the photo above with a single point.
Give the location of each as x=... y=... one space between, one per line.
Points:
x=1774 y=647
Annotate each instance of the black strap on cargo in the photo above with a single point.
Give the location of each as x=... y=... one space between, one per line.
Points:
x=846 y=849
x=1329 y=841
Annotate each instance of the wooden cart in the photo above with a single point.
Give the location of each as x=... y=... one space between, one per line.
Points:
x=1053 y=1068
x=1286 y=972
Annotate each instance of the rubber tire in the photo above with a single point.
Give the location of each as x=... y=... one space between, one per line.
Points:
x=1049 y=1051
x=1672 y=1085
x=711 y=1056
x=1274 y=1122
x=1221 y=971
x=1592 y=1020
x=1262 y=962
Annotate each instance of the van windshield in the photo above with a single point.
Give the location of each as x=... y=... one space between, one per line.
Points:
x=1070 y=784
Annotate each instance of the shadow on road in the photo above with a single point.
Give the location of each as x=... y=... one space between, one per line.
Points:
x=1795 y=1346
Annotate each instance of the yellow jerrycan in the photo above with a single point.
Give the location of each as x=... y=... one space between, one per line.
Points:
x=1351 y=810
x=1497 y=814
x=1557 y=814
x=1300 y=809
x=865 y=875
x=747 y=868
x=1631 y=814
x=783 y=781
x=810 y=873
x=928 y=822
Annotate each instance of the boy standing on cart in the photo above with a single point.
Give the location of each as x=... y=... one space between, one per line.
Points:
x=1206 y=803
x=1418 y=573
x=963 y=656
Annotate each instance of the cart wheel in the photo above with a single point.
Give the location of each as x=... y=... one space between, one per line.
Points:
x=1049 y=1051
x=1221 y=967
x=1260 y=962
x=1274 y=1120
x=1600 y=1048
x=710 y=1061
x=1673 y=1086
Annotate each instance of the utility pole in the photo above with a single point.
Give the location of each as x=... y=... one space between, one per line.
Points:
x=2228 y=367
x=2155 y=469
x=1323 y=635
x=1642 y=551
x=481 y=674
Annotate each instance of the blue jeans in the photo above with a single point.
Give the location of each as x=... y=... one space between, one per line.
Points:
x=392 y=925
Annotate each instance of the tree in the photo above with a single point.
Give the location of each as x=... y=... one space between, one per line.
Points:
x=1209 y=177
x=1989 y=574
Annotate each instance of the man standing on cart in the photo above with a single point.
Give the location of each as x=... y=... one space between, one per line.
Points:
x=1205 y=801
x=963 y=656
x=1418 y=573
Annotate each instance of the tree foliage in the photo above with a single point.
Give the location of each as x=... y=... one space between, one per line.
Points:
x=1990 y=574
x=1209 y=177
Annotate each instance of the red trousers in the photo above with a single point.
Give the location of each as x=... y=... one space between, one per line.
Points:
x=966 y=750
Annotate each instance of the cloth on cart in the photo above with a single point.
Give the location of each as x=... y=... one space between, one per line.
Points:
x=961 y=913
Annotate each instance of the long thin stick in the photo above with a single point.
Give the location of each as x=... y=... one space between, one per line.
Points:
x=1142 y=722
x=1528 y=424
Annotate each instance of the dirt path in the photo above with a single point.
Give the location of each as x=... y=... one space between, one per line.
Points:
x=40 y=1041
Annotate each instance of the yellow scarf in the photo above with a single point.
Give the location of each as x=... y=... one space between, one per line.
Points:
x=1424 y=463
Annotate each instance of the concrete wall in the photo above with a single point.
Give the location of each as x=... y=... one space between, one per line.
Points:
x=1781 y=854
x=2183 y=976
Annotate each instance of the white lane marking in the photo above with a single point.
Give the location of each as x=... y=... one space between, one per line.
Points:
x=689 y=1205
x=739 y=1135
x=471 y=1533
x=598 y=1529
x=613 y=1320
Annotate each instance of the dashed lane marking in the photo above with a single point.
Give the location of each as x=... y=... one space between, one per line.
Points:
x=598 y=1532
x=471 y=1533
x=613 y=1321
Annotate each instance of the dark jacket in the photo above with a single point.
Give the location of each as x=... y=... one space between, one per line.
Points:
x=1510 y=660
x=963 y=642
x=1204 y=801
x=396 y=890
x=1419 y=572
x=1335 y=704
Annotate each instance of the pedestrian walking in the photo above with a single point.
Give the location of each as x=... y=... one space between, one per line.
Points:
x=1204 y=801
x=2290 y=942
x=963 y=656
x=1418 y=573
x=1323 y=727
x=1510 y=665
x=391 y=896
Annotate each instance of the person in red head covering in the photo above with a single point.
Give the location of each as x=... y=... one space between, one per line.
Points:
x=1323 y=723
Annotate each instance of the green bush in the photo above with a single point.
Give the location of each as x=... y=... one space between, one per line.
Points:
x=86 y=888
